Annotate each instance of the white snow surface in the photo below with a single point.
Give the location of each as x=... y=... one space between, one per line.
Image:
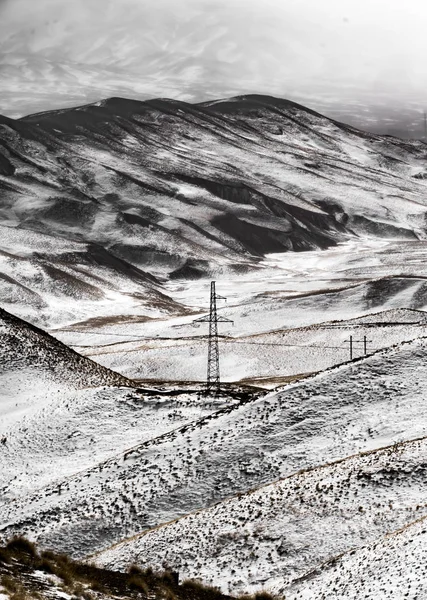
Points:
x=86 y=463
x=263 y=359
x=69 y=431
x=34 y=366
x=276 y=311
x=269 y=537
x=392 y=568
x=352 y=408
x=61 y=413
x=159 y=183
x=48 y=280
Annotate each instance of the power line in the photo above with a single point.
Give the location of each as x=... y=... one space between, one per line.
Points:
x=221 y=338
x=98 y=333
x=373 y=325
x=331 y=326
x=228 y=341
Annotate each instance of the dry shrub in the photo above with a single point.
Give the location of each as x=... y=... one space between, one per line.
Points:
x=262 y=595
x=208 y=592
x=19 y=545
x=136 y=582
x=9 y=583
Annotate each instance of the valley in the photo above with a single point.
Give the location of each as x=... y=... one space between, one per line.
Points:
x=298 y=308
x=310 y=463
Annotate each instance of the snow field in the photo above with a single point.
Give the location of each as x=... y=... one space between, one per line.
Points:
x=346 y=410
x=392 y=568
x=278 y=533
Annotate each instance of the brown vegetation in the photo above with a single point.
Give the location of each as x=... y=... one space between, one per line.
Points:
x=27 y=574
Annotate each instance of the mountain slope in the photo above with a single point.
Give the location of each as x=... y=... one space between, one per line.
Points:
x=287 y=291
x=184 y=190
x=49 y=279
x=391 y=568
x=66 y=431
x=285 y=352
x=229 y=452
x=33 y=363
x=61 y=413
x=275 y=534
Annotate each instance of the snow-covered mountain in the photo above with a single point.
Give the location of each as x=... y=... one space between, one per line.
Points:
x=48 y=279
x=65 y=431
x=115 y=218
x=61 y=413
x=33 y=364
x=55 y=54
x=26 y=347
x=164 y=188
x=286 y=352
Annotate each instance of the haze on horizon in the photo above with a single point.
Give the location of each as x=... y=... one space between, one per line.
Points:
x=359 y=60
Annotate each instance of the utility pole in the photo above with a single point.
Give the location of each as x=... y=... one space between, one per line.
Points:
x=353 y=342
x=213 y=380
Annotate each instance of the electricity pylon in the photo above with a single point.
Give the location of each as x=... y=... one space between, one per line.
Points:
x=213 y=379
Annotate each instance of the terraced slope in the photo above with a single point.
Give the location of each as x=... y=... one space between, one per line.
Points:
x=355 y=407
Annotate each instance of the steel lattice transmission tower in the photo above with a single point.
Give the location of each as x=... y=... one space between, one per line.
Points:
x=213 y=379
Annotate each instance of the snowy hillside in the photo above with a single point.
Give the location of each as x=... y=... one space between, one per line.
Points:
x=263 y=358
x=393 y=568
x=355 y=407
x=115 y=218
x=61 y=413
x=164 y=188
x=67 y=431
x=34 y=365
x=276 y=308
x=269 y=537
x=25 y=346
x=48 y=279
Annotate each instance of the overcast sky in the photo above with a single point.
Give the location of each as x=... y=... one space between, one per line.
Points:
x=55 y=52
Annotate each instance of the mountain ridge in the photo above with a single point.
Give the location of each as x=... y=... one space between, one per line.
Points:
x=181 y=190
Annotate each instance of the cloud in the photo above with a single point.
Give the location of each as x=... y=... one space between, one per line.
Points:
x=203 y=48
x=344 y=34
